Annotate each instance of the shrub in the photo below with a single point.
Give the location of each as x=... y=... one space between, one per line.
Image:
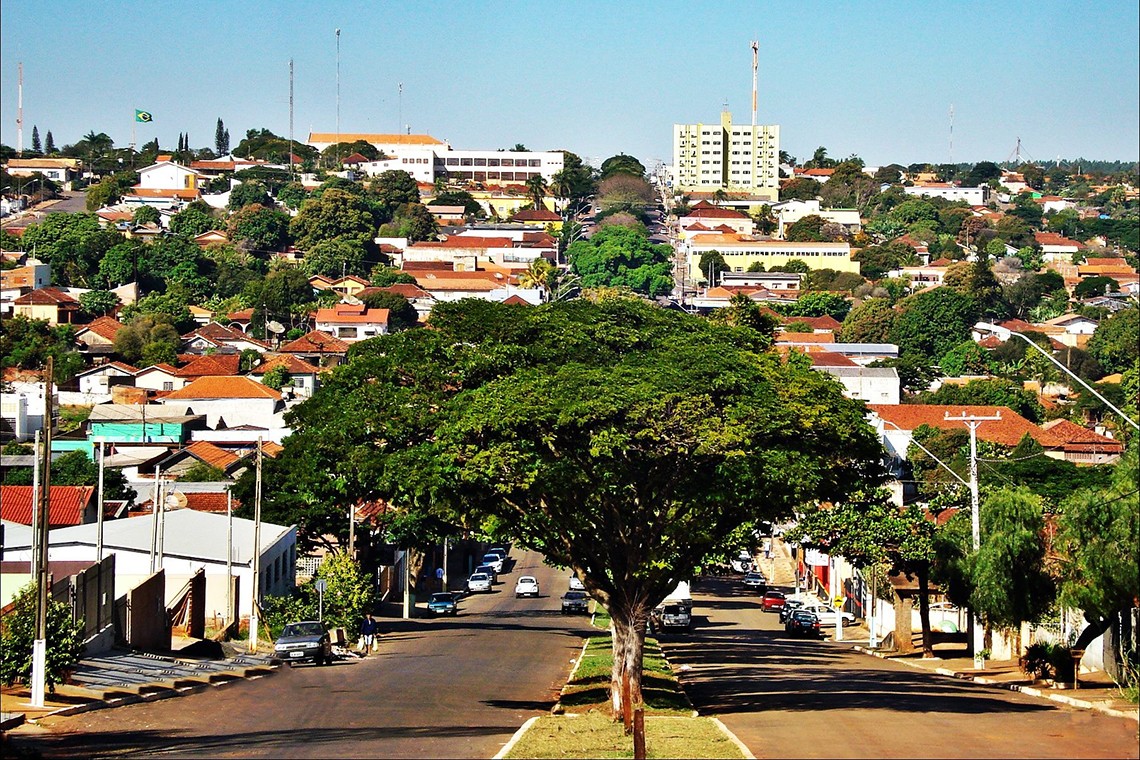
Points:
x=64 y=640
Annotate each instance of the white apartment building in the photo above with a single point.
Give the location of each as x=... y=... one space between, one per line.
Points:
x=735 y=157
x=790 y=212
x=975 y=196
x=427 y=158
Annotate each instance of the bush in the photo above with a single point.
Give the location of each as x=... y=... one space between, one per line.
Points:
x=1047 y=660
x=64 y=640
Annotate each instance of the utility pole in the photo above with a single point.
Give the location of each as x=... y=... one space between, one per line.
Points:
x=99 y=515
x=351 y=530
x=973 y=422
x=336 y=152
x=229 y=556
x=20 y=110
x=755 y=65
x=290 y=118
x=43 y=579
x=253 y=617
x=154 y=520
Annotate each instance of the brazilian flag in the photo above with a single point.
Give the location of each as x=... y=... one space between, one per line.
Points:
x=143 y=116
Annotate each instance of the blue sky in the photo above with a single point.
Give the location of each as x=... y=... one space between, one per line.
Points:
x=872 y=78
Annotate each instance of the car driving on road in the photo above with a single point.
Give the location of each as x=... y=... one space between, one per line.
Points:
x=575 y=601
x=527 y=585
x=756 y=581
x=304 y=641
x=773 y=601
x=576 y=583
x=489 y=570
x=495 y=560
x=479 y=582
x=442 y=603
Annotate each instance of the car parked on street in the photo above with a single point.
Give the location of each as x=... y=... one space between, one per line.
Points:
x=790 y=606
x=773 y=601
x=304 y=641
x=827 y=614
x=443 y=603
x=494 y=559
x=527 y=585
x=575 y=601
x=479 y=582
x=802 y=623
x=489 y=570
x=670 y=617
x=576 y=583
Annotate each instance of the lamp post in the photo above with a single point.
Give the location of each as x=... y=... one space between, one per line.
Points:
x=998 y=330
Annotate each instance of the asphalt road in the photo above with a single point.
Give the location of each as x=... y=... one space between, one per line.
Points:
x=449 y=687
x=788 y=697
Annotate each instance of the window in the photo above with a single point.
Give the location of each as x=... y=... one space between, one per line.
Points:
x=453 y=162
x=168 y=385
x=465 y=162
x=508 y=161
x=480 y=162
x=534 y=162
x=346 y=332
x=492 y=162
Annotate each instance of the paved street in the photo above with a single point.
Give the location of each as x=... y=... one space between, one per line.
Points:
x=452 y=687
x=797 y=698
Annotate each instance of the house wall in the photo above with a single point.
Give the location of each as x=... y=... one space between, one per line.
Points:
x=167 y=177
x=49 y=312
x=740 y=257
x=147 y=626
x=235 y=411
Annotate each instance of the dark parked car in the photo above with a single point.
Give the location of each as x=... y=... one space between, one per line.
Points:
x=790 y=606
x=773 y=601
x=442 y=604
x=802 y=623
x=306 y=641
x=575 y=601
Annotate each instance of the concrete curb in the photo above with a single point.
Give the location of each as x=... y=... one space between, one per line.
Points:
x=1031 y=691
x=747 y=753
x=558 y=709
x=161 y=691
x=515 y=739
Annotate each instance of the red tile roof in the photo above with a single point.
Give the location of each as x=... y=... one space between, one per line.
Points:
x=517 y=300
x=535 y=215
x=104 y=327
x=352 y=313
x=291 y=363
x=826 y=322
x=830 y=359
x=1008 y=431
x=215 y=456
x=316 y=342
x=1052 y=238
x=706 y=210
x=1076 y=437
x=67 y=504
x=47 y=297
x=468 y=241
x=224 y=387
x=216 y=364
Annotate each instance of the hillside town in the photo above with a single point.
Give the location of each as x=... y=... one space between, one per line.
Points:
x=321 y=353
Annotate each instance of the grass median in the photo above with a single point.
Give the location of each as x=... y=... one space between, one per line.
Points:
x=585 y=729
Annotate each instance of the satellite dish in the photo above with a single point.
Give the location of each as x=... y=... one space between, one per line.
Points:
x=176 y=500
x=274 y=327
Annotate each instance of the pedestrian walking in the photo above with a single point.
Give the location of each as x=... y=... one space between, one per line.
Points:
x=367 y=634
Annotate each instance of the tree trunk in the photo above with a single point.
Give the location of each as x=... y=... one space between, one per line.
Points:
x=924 y=611
x=629 y=647
x=903 y=632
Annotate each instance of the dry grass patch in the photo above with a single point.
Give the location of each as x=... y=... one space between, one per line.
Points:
x=590 y=686
x=595 y=735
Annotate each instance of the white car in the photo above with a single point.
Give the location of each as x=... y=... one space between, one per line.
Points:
x=527 y=585
x=493 y=559
x=576 y=583
x=479 y=582
x=827 y=614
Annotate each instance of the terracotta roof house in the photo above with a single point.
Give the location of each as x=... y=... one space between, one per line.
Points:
x=98 y=380
x=68 y=505
x=98 y=336
x=318 y=348
x=179 y=462
x=211 y=364
x=159 y=377
x=1084 y=446
x=215 y=336
x=303 y=376
x=50 y=304
x=229 y=402
x=1008 y=431
x=540 y=217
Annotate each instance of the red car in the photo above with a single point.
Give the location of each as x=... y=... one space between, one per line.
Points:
x=773 y=601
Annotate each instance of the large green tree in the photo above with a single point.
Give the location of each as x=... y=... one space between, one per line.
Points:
x=618 y=256
x=621 y=440
x=932 y=322
x=73 y=244
x=27 y=344
x=1116 y=342
x=335 y=214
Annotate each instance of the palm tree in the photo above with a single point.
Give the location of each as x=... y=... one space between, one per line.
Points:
x=720 y=196
x=536 y=189
x=560 y=186
x=537 y=275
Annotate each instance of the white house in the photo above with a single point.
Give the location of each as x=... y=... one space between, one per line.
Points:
x=191 y=540
x=96 y=382
x=352 y=322
x=975 y=196
x=234 y=401
x=790 y=212
x=875 y=385
x=164 y=184
x=159 y=377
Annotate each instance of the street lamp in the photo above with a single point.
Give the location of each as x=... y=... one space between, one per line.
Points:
x=999 y=331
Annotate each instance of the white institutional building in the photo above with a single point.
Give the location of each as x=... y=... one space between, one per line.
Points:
x=734 y=157
x=427 y=158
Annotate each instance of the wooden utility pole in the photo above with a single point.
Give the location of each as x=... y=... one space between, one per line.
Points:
x=253 y=616
x=43 y=522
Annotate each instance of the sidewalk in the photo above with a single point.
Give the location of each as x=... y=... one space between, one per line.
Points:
x=1096 y=690
x=122 y=677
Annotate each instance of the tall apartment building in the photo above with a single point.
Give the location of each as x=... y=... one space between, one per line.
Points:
x=737 y=158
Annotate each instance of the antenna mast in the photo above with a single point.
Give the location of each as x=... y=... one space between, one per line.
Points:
x=951 y=133
x=755 y=65
x=337 y=151
x=400 y=108
x=290 y=118
x=20 y=112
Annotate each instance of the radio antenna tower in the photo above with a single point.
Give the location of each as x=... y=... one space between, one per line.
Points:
x=755 y=66
x=20 y=111
x=290 y=118
x=337 y=151
x=951 y=133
